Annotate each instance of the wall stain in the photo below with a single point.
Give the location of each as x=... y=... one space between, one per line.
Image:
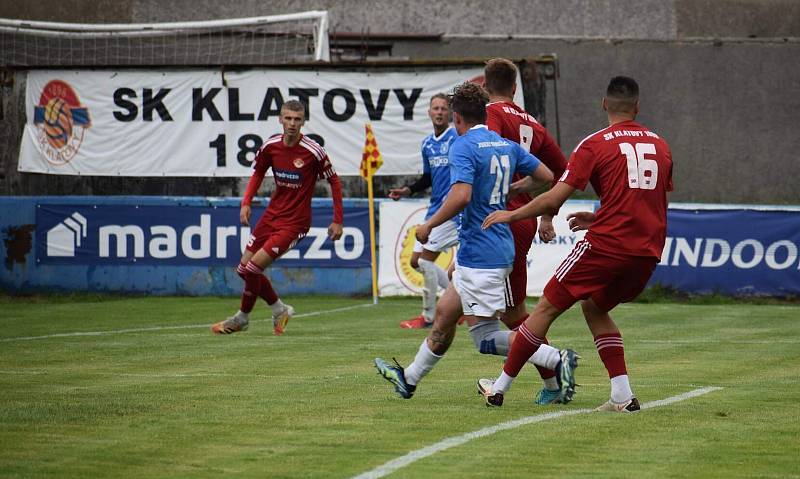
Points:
x=19 y=242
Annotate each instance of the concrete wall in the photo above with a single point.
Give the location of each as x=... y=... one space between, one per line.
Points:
x=653 y=19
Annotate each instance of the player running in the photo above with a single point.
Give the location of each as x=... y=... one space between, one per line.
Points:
x=297 y=162
x=436 y=175
x=482 y=164
x=630 y=168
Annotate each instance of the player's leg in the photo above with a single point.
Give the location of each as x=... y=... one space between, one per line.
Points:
x=632 y=278
x=251 y=270
x=276 y=246
x=577 y=277
x=523 y=233
x=417 y=321
x=441 y=238
x=433 y=347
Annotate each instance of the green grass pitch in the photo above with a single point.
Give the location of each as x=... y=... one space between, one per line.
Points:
x=155 y=394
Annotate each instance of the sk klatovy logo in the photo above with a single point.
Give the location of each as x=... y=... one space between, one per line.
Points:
x=61 y=122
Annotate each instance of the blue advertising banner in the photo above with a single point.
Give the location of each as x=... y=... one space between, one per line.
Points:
x=184 y=235
x=739 y=252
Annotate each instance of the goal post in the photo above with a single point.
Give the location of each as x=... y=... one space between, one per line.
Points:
x=289 y=38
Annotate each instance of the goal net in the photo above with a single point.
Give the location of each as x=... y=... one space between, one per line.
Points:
x=275 y=39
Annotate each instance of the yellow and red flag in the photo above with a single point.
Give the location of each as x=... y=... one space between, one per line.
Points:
x=371 y=158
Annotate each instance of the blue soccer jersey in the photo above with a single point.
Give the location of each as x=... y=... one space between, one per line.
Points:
x=485 y=160
x=435 y=150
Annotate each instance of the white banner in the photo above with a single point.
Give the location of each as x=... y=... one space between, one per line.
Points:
x=397 y=226
x=206 y=123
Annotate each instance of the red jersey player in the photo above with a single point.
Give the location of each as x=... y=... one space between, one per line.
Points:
x=512 y=122
x=297 y=162
x=630 y=168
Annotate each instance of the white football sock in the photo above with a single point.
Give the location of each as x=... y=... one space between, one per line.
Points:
x=620 y=389
x=424 y=362
x=441 y=277
x=502 y=384
x=546 y=356
x=430 y=285
x=277 y=307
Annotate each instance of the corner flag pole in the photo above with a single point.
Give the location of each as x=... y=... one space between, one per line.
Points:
x=370 y=162
x=373 y=261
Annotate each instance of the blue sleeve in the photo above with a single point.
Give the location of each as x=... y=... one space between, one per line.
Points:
x=526 y=163
x=426 y=165
x=462 y=168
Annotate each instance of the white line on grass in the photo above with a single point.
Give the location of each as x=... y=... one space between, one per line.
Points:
x=164 y=328
x=414 y=456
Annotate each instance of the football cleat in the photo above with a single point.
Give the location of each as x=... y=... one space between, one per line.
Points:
x=416 y=323
x=631 y=405
x=565 y=374
x=396 y=376
x=280 y=320
x=234 y=324
x=548 y=396
x=485 y=389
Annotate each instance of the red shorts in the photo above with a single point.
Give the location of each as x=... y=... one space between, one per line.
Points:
x=523 y=232
x=608 y=280
x=275 y=240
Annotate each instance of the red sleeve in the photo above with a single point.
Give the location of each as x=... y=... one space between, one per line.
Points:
x=326 y=171
x=494 y=121
x=550 y=154
x=336 y=194
x=260 y=165
x=579 y=168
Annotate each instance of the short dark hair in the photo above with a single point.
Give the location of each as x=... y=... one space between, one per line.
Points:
x=293 y=105
x=440 y=96
x=622 y=94
x=469 y=100
x=500 y=76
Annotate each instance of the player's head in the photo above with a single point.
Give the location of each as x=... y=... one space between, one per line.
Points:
x=439 y=111
x=468 y=103
x=293 y=116
x=500 y=77
x=622 y=97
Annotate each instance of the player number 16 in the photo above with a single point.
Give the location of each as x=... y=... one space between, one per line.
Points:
x=642 y=171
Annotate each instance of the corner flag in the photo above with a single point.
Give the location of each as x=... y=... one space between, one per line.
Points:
x=371 y=158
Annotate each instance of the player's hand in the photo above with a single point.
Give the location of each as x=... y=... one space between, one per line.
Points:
x=519 y=186
x=501 y=216
x=423 y=231
x=546 y=230
x=244 y=215
x=335 y=231
x=397 y=193
x=580 y=220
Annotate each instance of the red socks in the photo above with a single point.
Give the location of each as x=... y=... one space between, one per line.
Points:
x=525 y=344
x=252 y=286
x=264 y=290
x=612 y=353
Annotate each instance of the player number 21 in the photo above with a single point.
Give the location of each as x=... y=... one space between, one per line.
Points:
x=500 y=167
x=642 y=171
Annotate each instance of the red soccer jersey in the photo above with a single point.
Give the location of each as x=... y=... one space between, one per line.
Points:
x=630 y=168
x=296 y=170
x=513 y=123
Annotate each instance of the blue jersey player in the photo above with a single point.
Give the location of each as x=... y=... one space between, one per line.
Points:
x=436 y=175
x=481 y=166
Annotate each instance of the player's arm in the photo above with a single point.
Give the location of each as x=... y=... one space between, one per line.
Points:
x=547 y=203
x=457 y=199
x=261 y=163
x=335 y=228
x=551 y=155
x=423 y=182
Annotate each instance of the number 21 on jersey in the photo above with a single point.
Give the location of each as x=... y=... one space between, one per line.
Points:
x=642 y=171
x=500 y=167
